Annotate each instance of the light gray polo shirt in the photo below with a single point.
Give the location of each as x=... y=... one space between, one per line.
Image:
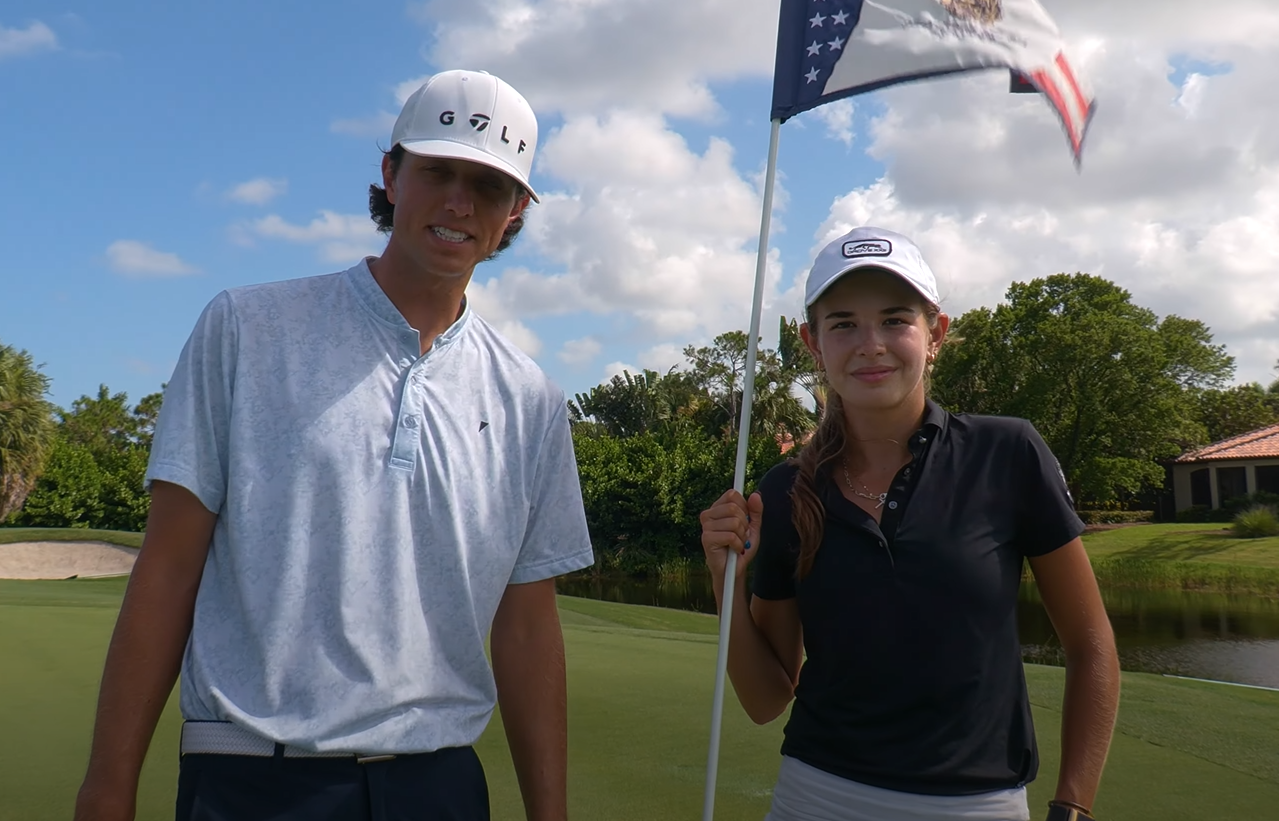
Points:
x=373 y=505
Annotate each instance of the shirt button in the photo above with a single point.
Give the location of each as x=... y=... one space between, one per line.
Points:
x=892 y=505
x=410 y=422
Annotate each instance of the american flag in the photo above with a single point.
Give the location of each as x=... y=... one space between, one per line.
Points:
x=829 y=49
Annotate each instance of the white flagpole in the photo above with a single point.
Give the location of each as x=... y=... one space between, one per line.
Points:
x=739 y=474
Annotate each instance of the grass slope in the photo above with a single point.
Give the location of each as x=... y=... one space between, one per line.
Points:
x=1184 y=543
x=1185 y=557
x=12 y=535
x=640 y=682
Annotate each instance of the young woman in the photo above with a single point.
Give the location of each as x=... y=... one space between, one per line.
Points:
x=890 y=552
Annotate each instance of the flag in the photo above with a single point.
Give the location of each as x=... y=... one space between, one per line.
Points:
x=829 y=49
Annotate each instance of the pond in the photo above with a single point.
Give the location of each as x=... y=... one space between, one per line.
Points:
x=1199 y=635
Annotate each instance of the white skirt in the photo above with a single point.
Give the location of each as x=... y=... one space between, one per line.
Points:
x=805 y=793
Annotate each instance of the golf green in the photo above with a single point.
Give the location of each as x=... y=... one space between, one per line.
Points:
x=640 y=683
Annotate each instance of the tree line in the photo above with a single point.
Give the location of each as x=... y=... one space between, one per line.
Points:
x=1116 y=391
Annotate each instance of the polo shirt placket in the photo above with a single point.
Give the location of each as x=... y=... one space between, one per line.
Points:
x=900 y=491
x=410 y=415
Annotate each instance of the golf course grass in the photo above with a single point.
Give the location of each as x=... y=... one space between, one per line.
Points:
x=1184 y=543
x=13 y=535
x=640 y=682
x=1204 y=557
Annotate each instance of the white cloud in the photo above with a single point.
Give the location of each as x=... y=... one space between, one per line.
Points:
x=578 y=56
x=837 y=117
x=137 y=260
x=258 y=191
x=578 y=352
x=613 y=369
x=17 y=42
x=662 y=358
x=521 y=335
x=342 y=239
x=1177 y=201
x=378 y=125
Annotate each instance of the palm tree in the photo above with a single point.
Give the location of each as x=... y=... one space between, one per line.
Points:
x=26 y=427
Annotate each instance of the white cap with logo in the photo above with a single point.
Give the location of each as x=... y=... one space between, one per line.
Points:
x=870 y=247
x=470 y=115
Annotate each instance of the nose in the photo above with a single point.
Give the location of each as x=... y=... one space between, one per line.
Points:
x=868 y=342
x=458 y=199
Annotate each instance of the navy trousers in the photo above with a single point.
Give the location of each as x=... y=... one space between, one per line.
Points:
x=446 y=785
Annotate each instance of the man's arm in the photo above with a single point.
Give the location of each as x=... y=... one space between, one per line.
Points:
x=528 y=666
x=1091 y=702
x=146 y=650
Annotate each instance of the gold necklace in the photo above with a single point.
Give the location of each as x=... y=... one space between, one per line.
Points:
x=879 y=497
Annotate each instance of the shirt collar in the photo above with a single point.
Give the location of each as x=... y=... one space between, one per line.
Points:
x=376 y=300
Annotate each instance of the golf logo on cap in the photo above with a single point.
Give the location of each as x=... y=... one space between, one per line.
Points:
x=479 y=121
x=867 y=248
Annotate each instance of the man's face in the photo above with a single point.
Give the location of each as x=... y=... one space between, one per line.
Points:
x=450 y=214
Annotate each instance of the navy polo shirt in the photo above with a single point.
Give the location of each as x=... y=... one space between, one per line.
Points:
x=913 y=679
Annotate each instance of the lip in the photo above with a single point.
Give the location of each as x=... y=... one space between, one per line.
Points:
x=873 y=375
x=431 y=230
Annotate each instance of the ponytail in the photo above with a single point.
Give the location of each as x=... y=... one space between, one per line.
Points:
x=808 y=514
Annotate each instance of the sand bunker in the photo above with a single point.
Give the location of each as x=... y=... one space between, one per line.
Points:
x=62 y=560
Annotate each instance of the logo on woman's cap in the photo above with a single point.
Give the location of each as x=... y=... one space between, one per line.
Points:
x=867 y=248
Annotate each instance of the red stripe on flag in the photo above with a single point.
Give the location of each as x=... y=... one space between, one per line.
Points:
x=1064 y=65
x=1053 y=93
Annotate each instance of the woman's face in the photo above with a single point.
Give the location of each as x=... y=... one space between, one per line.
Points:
x=870 y=334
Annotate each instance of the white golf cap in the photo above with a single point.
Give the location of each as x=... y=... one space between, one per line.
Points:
x=870 y=247
x=470 y=115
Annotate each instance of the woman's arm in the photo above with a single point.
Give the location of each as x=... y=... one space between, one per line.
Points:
x=1074 y=605
x=765 y=640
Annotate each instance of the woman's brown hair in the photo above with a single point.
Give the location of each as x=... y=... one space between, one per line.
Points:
x=816 y=459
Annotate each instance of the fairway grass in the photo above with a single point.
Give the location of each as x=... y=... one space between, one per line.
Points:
x=640 y=682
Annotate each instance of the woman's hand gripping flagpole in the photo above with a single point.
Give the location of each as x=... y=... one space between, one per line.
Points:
x=739 y=475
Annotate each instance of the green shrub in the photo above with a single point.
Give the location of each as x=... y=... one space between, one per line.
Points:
x=1195 y=514
x=1115 y=517
x=1256 y=523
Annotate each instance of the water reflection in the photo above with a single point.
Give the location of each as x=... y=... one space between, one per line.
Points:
x=1201 y=635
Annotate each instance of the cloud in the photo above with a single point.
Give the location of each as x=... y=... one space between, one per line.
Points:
x=649 y=228
x=579 y=352
x=521 y=335
x=837 y=117
x=658 y=55
x=138 y=260
x=378 y=125
x=613 y=369
x=1178 y=199
x=342 y=239
x=34 y=38
x=258 y=191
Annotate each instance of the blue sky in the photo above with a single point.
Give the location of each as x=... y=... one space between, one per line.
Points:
x=156 y=155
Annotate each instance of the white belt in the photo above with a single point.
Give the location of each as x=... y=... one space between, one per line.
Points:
x=225 y=738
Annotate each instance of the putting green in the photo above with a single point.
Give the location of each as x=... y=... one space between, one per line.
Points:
x=640 y=684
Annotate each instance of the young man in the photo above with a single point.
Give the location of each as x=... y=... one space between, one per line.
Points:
x=354 y=479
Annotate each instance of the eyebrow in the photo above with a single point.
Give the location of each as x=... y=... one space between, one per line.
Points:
x=896 y=309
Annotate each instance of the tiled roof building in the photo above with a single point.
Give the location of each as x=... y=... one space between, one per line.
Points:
x=1238 y=466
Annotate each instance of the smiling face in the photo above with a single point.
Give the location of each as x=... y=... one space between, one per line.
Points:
x=874 y=335
x=449 y=214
